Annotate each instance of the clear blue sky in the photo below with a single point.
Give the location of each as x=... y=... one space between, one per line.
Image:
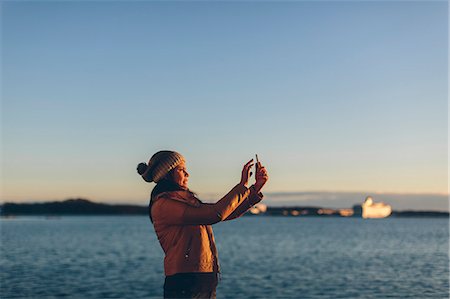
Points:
x=333 y=96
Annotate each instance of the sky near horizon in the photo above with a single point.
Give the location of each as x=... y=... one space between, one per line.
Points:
x=340 y=96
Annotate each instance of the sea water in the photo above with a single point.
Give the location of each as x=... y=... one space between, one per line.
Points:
x=260 y=257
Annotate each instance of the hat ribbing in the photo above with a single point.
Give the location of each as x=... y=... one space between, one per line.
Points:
x=159 y=165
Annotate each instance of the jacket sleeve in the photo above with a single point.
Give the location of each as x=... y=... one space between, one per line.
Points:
x=246 y=205
x=212 y=213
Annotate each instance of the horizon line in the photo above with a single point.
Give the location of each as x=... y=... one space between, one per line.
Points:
x=276 y=193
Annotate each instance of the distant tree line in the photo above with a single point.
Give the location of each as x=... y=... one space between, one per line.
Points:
x=76 y=206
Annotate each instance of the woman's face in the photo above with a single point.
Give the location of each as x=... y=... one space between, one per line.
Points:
x=180 y=175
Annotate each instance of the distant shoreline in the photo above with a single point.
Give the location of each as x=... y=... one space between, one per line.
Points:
x=83 y=207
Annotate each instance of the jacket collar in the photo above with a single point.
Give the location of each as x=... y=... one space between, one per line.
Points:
x=181 y=196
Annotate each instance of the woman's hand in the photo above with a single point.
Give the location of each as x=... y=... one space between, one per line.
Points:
x=246 y=173
x=261 y=176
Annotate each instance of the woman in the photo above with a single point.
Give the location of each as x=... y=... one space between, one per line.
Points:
x=183 y=223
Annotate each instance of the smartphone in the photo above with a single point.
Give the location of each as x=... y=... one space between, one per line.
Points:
x=257 y=163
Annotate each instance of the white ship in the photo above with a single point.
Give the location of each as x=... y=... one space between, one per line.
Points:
x=371 y=209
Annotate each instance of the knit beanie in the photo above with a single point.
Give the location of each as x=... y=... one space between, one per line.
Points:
x=159 y=165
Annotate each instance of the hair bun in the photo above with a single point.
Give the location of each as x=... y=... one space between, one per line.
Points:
x=142 y=168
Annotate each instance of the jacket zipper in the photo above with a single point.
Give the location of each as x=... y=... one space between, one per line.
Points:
x=186 y=256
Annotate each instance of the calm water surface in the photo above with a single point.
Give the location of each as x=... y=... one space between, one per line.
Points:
x=261 y=257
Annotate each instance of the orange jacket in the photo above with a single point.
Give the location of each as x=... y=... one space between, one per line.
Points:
x=183 y=226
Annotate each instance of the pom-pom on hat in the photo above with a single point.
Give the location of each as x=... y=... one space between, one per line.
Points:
x=159 y=165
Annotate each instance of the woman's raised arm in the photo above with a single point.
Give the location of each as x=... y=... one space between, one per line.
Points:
x=213 y=213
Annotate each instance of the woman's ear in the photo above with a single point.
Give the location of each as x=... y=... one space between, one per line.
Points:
x=169 y=175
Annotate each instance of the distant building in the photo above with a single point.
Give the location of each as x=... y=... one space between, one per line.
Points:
x=258 y=209
x=324 y=211
x=295 y=213
x=346 y=212
x=371 y=209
